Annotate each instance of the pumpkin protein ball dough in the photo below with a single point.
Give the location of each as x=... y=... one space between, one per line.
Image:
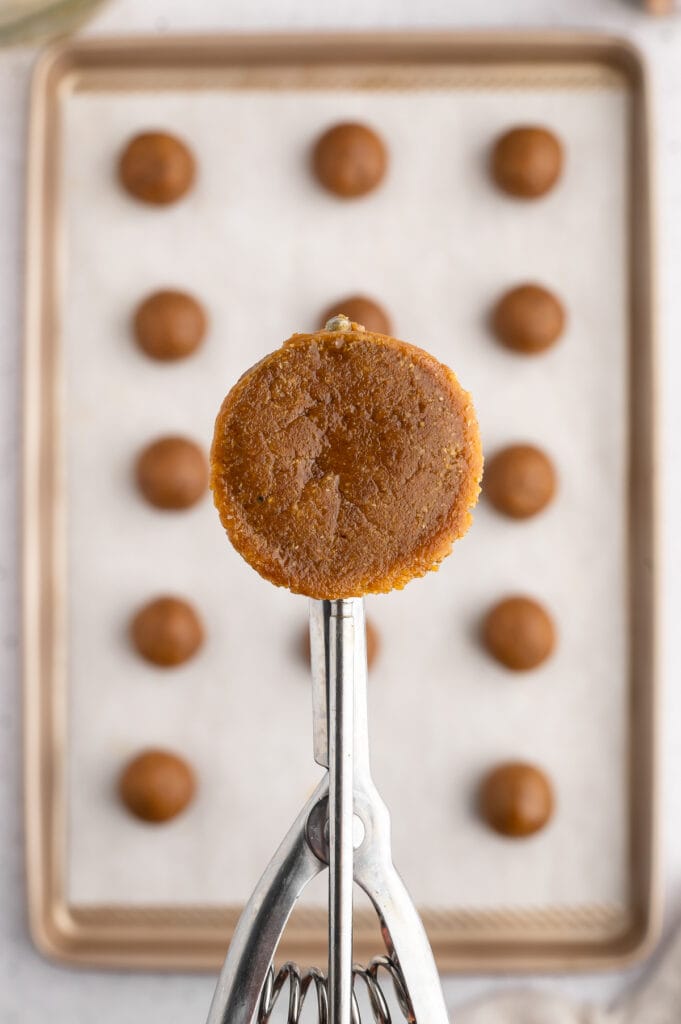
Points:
x=156 y=168
x=520 y=481
x=516 y=799
x=350 y=160
x=167 y=631
x=527 y=161
x=528 y=319
x=519 y=632
x=345 y=463
x=156 y=785
x=172 y=473
x=169 y=325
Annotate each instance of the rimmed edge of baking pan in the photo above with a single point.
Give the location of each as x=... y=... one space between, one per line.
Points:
x=196 y=937
x=659 y=6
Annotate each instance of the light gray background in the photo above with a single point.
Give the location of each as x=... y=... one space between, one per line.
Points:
x=31 y=989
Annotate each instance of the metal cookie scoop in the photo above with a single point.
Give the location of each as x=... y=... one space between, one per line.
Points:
x=344 y=826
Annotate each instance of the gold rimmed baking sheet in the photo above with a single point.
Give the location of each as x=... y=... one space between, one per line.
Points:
x=75 y=666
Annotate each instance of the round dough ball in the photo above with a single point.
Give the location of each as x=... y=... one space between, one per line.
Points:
x=527 y=161
x=360 y=310
x=172 y=473
x=345 y=463
x=373 y=644
x=528 y=319
x=519 y=633
x=157 y=168
x=167 y=631
x=350 y=160
x=156 y=785
x=519 y=480
x=169 y=325
x=516 y=799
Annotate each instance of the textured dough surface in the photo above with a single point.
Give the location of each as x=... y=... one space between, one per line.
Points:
x=157 y=785
x=157 y=168
x=520 y=480
x=516 y=799
x=346 y=463
x=350 y=160
x=528 y=319
x=169 y=324
x=172 y=473
x=527 y=161
x=519 y=632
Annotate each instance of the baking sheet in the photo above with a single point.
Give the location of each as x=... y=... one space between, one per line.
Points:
x=266 y=250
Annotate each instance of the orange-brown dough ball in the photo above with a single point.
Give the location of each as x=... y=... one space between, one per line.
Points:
x=528 y=319
x=516 y=799
x=157 y=785
x=169 y=325
x=350 y=160
x=167 y=631
x=527 y=161
x=520 y=480
x=172 y=473
x=519 y=633
x=156 y=168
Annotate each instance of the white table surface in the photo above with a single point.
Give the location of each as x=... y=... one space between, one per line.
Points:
x=32 y=989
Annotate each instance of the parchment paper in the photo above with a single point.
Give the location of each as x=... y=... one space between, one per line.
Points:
x=266 y=250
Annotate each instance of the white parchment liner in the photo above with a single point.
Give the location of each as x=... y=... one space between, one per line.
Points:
x=266 y=250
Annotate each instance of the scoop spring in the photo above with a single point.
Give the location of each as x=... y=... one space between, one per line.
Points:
x=300 y=982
